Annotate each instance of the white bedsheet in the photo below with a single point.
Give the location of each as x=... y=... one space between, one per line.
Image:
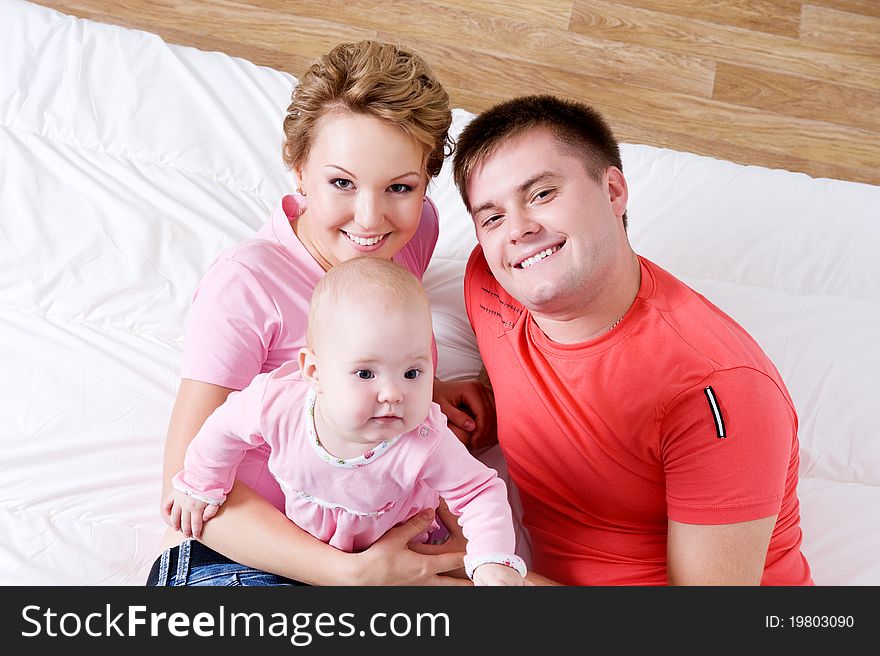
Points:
x=126 y=164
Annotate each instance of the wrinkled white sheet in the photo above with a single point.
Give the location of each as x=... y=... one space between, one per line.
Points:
x=126 y=164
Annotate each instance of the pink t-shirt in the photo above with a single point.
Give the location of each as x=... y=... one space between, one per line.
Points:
x=349 y=503
x=250 y=311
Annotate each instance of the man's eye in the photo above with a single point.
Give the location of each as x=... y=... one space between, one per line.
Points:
x=364 y=374
x=541 y=195
x=412 y=374
x=342 y=183
x=488 y=221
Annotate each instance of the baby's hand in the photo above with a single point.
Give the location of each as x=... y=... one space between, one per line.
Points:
x=186 y=514
x=497 y=574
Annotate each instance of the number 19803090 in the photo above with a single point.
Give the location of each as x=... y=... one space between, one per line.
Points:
x=821 y=621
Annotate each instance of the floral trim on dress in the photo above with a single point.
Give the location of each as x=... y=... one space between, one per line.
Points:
x=190 y=492
x=328 y=457
x=473 y=562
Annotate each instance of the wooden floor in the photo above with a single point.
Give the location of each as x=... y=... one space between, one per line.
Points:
x=778 y=83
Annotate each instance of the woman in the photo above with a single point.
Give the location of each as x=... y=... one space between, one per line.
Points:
x=366 y=129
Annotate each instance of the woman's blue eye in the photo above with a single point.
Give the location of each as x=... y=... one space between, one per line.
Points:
x=412 y=374
x=364 y=374
x=400 y=188
x=342 y=183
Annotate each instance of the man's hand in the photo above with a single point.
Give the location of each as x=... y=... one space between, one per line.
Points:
x=537 y=579
x=470 y=411
x=497 y=574
x=186 y=514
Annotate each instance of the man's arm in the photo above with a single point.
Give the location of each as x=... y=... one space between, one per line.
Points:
x=724 y=554
x=537 y=579
x=727 y=456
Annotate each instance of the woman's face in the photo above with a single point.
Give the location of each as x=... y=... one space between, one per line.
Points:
x=365 y=182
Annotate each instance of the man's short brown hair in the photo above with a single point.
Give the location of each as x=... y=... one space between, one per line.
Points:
x=578 y=128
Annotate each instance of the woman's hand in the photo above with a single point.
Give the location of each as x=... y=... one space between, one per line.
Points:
x=390 y=561
x=470 y=411
x=456 y=542
x=251 y=531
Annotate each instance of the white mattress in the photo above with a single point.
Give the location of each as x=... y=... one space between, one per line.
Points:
x=126 y=164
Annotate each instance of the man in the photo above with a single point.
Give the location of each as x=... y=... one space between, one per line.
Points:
x=651 y=439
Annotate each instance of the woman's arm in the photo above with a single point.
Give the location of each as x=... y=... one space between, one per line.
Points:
x=194 y=403
x=251 y=531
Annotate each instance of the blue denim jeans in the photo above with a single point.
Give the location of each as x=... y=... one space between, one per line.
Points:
x=192 y=563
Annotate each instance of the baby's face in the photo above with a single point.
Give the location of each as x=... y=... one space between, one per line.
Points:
x=375 y=371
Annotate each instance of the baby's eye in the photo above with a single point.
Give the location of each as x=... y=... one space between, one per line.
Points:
x=342 y=183
x=412 y=374
x=364 y=374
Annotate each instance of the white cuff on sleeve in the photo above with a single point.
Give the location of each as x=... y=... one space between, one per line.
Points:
x=211 y=501
x=473 y=562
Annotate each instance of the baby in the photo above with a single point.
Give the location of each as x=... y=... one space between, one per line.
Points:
x=355 y=441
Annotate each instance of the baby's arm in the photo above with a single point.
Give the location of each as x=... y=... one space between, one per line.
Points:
x=478 y=496
x=187 y=514
x=212 y=459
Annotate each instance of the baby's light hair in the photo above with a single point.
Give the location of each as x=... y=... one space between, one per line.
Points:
x=383 y=283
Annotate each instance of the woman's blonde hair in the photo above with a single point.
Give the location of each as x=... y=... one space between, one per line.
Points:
x=376 y=79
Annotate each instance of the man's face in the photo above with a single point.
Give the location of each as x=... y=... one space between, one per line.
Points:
x=551 y=234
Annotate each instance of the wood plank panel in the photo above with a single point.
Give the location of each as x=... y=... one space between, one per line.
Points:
x=551 y=14
x=547 y=13
x=733 y=45
x=841 y=31
x=210 y=25
x=866 y=7
x=489 y=33
x=780 y=17
x=786 y=94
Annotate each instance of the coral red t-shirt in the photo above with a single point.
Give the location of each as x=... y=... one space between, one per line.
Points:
x=676 y=413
